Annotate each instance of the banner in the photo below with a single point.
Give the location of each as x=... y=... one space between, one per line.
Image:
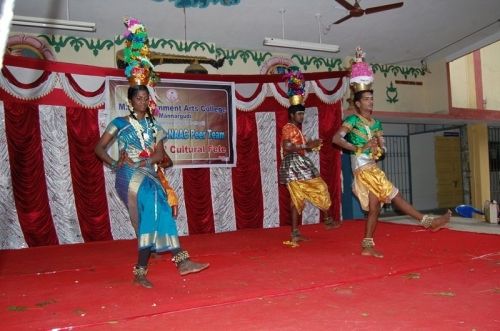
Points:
x=198 y=117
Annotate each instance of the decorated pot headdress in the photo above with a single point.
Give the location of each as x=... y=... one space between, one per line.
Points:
x=296 y=86
x=361 y=73
x=139 y=69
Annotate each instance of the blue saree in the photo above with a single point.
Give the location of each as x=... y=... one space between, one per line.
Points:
x=140 y=189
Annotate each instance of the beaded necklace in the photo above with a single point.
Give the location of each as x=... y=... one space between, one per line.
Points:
x=140 y=132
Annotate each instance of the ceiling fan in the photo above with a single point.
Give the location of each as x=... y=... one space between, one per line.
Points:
x=356 y=10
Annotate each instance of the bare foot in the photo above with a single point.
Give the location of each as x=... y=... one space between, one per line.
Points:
x=440 y=222
x=296 y=238
x=331 y=224
x=190 y=267
x=371 y=251
x=290 y=243
x=142 y=281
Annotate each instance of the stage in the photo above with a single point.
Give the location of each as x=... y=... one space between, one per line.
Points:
x=447 y=280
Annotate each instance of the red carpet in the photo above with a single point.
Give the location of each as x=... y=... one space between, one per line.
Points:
x=441 y=281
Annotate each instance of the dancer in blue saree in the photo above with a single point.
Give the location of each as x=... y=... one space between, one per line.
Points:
x=140 y=142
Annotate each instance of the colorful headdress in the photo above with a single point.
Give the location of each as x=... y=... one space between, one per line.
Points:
x=296 y=84
x=361 y=73
x=139 y=69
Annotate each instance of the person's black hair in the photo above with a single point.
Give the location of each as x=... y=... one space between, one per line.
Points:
x=358 y=95
x=295 y=108
x=132 y=92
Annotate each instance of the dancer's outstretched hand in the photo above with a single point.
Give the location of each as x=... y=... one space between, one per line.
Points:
x=314 y=143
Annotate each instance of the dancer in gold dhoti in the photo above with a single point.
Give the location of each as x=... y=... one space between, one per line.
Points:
x=363 y=136
x=297 y=171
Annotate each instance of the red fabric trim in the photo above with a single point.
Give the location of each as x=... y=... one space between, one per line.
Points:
x=81 y=91
x=281 y=92
x=53 y=66
x=55 y=98
x=198 y=199
x=247 y=187
x=253 y=96
x=329 y=92
x=87 y=174
x=22 y=128
x=10 y=77
x=102 y=71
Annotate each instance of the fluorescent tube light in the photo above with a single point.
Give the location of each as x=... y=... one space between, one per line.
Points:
x=301 y=45
x=53 y=23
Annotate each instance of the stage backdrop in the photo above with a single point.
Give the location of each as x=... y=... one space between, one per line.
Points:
x=53 y=189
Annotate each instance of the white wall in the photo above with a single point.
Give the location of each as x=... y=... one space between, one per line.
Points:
x=423 y=171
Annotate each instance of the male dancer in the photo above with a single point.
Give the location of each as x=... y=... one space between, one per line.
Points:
x=297 y=171
x=363 y=136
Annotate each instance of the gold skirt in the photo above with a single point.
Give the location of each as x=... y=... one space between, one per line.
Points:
x=372 y=179
x=313 y=190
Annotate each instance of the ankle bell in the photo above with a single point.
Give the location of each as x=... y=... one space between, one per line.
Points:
x=426 y=221
x=140 y=273
x=367 y=243
x=140 y=270
x=180 y=257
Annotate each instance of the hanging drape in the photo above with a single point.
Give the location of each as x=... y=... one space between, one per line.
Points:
x=87 y=174
x=54 y=190
x=22 y=130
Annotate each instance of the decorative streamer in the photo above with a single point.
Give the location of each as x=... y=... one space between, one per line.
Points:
x=85 y=101
x=31 y=93
x=247 y=196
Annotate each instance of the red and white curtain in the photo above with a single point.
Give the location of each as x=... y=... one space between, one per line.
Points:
x=53 y=189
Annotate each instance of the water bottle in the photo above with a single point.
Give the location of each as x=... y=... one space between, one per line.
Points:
x=491 y=212
x=495 y=211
